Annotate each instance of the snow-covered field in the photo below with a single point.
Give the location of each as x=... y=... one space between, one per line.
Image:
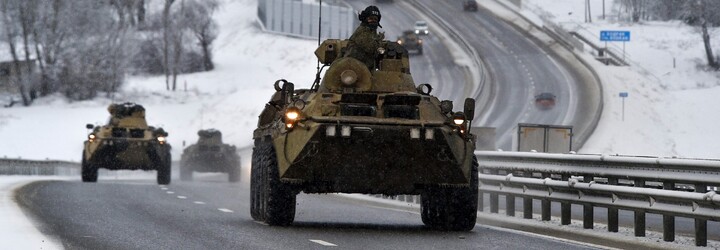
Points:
x=670 y=105
x=669 y=111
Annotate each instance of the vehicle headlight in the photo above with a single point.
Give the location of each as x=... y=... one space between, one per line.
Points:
x=459 y=120
x=399 y=42
x=161 y=139
x=91 y=137
x=292 y=115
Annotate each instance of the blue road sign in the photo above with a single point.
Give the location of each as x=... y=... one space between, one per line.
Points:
x=614 y=35
x=623 y=94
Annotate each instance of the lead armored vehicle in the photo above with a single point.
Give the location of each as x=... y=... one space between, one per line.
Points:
x=126 y=142
x=365 y=131
x=210 y=154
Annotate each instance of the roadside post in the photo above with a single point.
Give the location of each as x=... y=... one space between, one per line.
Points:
x=623 y=95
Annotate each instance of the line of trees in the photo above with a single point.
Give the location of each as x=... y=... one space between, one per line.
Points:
x=699 y=13
x=86 y=47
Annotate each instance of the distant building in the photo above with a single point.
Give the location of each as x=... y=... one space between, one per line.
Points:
x=8 y=71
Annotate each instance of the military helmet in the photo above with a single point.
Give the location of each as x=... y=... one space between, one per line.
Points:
x=371 y=10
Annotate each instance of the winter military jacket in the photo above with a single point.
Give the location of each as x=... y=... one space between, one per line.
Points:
x=363 y=45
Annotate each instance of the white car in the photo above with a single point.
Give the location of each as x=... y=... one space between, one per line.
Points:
x=421 y=28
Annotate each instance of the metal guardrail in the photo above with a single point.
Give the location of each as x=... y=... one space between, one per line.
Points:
x=667 y=186
x=38 y=167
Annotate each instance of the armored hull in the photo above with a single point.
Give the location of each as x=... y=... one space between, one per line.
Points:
x=372 y=158
x=115 y=154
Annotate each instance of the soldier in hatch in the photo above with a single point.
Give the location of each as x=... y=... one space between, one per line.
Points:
x=365 y=41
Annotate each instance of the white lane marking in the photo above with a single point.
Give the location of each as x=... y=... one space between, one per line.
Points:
x=324 y=243
x=199 y=202
x=170 y=192
x=225 y=210
x=164 y=188
x=181 y=197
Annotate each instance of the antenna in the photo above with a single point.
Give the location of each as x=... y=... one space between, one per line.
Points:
x=316 y=83
x=319 y=27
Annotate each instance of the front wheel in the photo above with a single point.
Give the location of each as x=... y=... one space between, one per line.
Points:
x=164 y=170
x=272 y=201
x=186 y=171
x=88 y=173
x=452 y=209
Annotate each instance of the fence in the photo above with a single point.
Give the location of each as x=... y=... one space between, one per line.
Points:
x=667 y=186
x=300 y=19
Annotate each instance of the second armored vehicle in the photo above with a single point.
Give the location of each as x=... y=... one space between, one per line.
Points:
x=126 y=142
x=370 y=131
x=411 y=42
x=210 y=154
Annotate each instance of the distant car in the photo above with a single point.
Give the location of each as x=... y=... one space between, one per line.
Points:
x=470 y=5
x=421 y=28
x=545 y=100
x=411 y=42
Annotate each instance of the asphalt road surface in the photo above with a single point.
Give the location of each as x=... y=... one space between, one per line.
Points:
x=209 y=213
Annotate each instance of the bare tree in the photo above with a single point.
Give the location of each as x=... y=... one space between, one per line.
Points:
x=9 y=10
x=166 y=40
x=203 y=27
x=637 y=8
x=703 y=13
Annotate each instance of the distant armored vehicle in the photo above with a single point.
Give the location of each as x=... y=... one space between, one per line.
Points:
x=411 y=42
x=210 y=154
x=365 y=131
x=126 y=142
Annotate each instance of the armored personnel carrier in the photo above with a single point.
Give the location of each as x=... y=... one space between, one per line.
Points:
x=411 y=42
x=369 y=131
x=210 y=154
x=126 y=142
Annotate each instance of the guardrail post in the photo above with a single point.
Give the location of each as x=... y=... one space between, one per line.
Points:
x=528 y=202
x=481 y=202
x=700 y=224
x=481 y=199
x=494 y=199
x=639 y=215
x=509 y=201
x=612 y=212
x=545 y=204
x=565 y=207
x=588 y=210
x=668 y=220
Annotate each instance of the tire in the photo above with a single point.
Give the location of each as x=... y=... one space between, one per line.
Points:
x=420 y=51
x=164 y=170
x=274 y=201
x=185 y=171
x=234 y=171
x=452 y=209
x=256 y=194
x=88 y=173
